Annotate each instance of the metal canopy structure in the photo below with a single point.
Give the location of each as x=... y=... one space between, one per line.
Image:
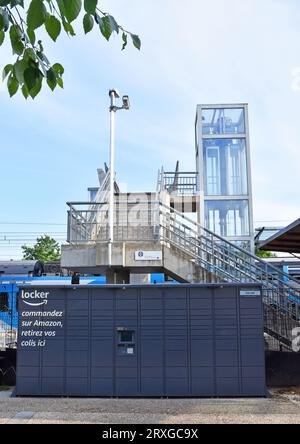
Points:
x=286 y=240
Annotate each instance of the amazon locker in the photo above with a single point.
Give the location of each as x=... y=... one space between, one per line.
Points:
x=151 y=340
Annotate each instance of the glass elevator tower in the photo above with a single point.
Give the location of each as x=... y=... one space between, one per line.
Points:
x=223 y=172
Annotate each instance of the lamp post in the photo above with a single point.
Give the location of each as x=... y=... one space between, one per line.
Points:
x=113 y=94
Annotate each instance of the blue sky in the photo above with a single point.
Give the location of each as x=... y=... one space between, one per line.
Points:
x=192 y=52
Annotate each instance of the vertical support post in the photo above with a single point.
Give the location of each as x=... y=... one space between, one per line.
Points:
x=113 y=94
x=112 y=109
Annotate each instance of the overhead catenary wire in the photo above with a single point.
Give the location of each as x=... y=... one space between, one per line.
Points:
x=12 y=241
x=64 y=224
x=35 y=233
x=32 y=223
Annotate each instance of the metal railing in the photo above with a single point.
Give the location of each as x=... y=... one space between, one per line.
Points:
x=8 y=332
x=230 y=263
x=133 y=222
x=178 y=183
x=86 y=223
x=222 y=260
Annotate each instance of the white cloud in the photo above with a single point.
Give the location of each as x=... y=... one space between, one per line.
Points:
x=295 y=84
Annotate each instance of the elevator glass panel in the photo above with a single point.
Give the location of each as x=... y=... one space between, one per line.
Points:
x=223 y=121
x=225 y=167
x=228 y=218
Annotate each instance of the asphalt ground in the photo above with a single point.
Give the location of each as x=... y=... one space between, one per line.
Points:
x=281 y=407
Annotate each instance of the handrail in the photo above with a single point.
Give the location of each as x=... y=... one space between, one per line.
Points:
x=180 y=173
x=70 y=204
x=217 y=250
x=277 y=291
x=242 y=250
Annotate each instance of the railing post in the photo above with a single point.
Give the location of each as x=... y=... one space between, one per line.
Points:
x=68 y=227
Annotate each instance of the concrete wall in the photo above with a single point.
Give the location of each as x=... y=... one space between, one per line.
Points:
x=74 y=256
x=176 y=263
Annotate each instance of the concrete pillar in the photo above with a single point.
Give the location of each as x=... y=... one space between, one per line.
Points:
x=117 y=276
x=140 y=278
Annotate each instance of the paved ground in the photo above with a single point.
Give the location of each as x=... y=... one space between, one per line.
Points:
x=282 y=407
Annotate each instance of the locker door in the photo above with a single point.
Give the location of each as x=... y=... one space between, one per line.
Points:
x=252 y=343
x=77 y=331
x=126 y=350
x=102 y=342
x=152 y=342
x=226 y=342
x=53 y=355
x=176 y=342
x=202 y=342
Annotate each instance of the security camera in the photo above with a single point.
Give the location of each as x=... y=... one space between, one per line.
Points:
x=114 y=92
x=126 y=103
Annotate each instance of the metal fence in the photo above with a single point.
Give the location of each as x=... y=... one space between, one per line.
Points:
x=8 y=321
x=178 y=183
x=133 y=221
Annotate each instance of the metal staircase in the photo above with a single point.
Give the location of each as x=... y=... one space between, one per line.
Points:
x=227 y=262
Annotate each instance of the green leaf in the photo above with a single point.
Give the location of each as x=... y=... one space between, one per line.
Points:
x=29 y=54
x=69 y=28
x=51 y=79
x=17 y=3
x=72 y=9
x=136 y=41
x=31 y=35
x=19 y=69
x=6 y=70
x=31 y=77
x=18 y=31
x=60 y=82
x=105 y=27
x=12 y=85
x=58 y=68
x=34 y=91
x=88 y=23
x=90 y=6
x=2 y=37
x=2 y=22
x=6 y=20
x=25 y=91
x=4 y=2
x=15 y=34
x=62 y=12
x=36 y=14
x=124 y=38
x=114 y=25
x=53 y=26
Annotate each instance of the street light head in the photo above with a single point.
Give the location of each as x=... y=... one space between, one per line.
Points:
x=114 y=92
x=126 y=103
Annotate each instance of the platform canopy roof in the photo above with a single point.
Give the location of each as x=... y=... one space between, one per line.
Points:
x=287 y=240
